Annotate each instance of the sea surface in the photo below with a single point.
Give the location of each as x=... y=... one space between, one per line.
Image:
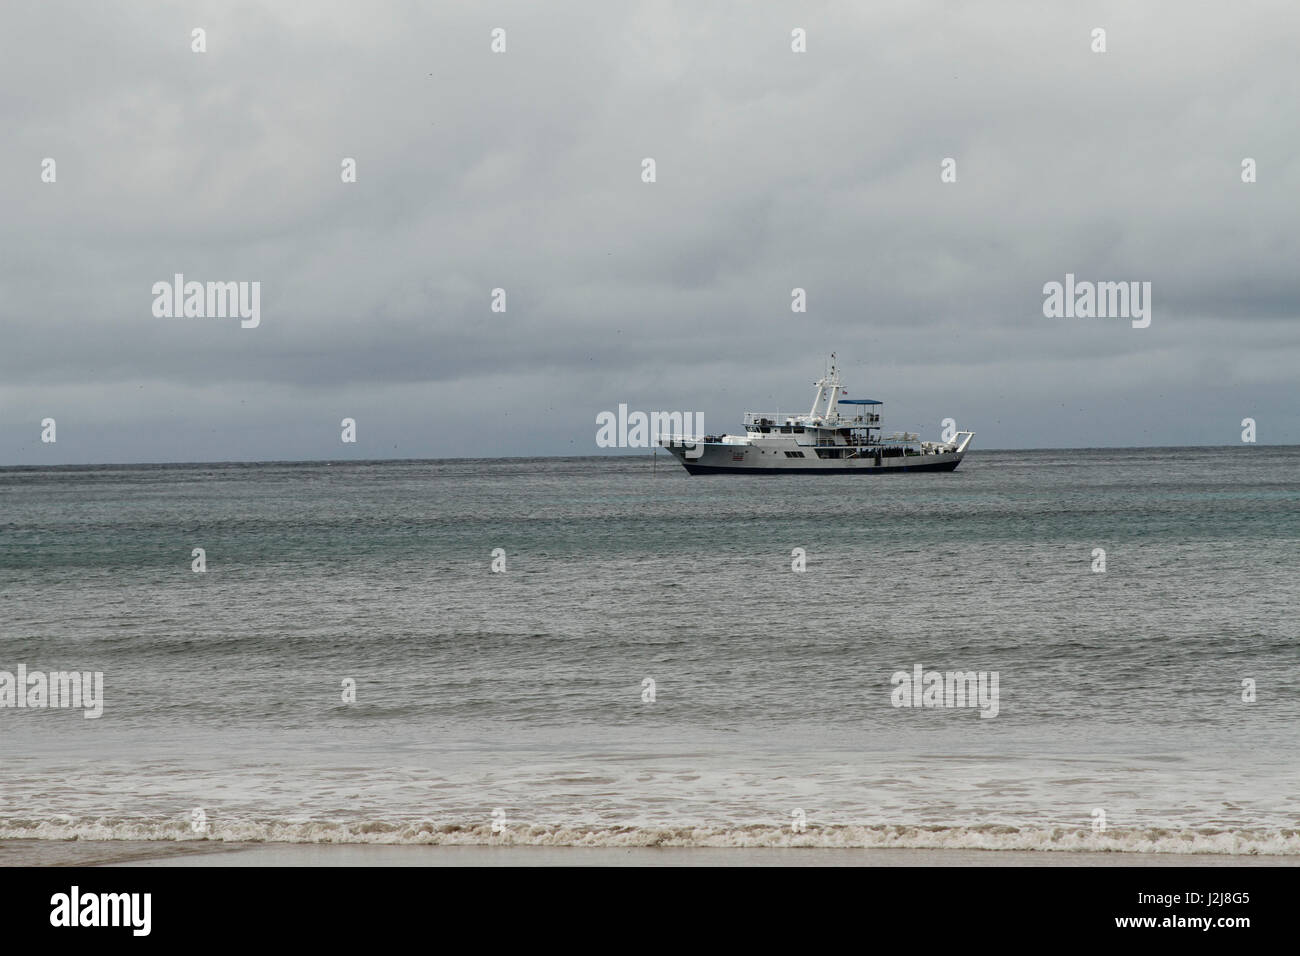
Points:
x=512 y=706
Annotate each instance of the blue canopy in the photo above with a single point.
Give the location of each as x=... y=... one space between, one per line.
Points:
x=859 y=401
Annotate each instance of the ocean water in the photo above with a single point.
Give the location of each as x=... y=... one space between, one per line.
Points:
x=520 y=693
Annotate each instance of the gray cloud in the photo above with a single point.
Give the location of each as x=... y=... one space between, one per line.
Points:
x=522 y=171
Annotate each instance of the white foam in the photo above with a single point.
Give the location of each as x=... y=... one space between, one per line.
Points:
x=382 y=832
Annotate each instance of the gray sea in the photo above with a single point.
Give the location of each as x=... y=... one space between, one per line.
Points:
x=1152 y=706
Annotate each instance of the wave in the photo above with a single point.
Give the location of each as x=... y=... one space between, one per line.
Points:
x=1252 y=842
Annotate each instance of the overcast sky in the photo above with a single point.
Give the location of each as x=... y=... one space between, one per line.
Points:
x=522 y=170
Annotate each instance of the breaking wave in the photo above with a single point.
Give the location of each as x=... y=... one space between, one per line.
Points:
x=1277 y=842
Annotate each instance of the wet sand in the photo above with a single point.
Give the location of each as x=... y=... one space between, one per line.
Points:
x=204 y=853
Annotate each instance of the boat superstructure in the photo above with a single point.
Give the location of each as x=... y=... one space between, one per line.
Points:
x=837 y=435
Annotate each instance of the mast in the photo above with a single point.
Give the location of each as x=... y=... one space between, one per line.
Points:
x=833 y=399
x=828 y=385
x=820 y=383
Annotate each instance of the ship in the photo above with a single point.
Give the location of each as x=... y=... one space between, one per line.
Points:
x=838 y=436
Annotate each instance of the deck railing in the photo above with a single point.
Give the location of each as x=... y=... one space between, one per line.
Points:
x=689 y=440
x=771 y=418
x=796 y=418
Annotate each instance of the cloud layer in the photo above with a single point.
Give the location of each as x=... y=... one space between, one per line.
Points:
x=522 y=171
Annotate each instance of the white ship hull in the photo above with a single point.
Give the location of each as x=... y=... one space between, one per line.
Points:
x=720 y=458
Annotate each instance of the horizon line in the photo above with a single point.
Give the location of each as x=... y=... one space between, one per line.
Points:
x=641 y=454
